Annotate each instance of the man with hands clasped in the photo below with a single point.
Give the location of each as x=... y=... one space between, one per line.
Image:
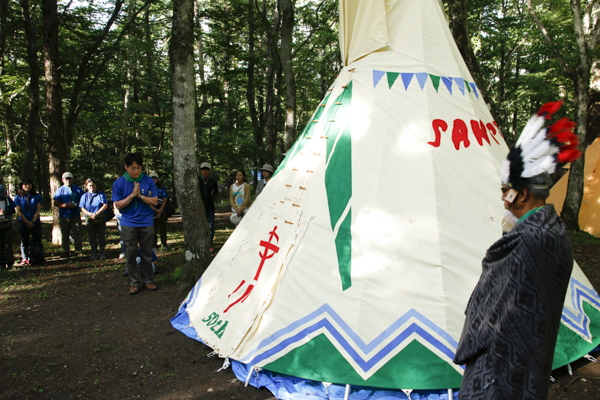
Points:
x=133 y=194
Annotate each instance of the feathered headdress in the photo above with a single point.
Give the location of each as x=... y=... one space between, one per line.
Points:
x=541 y=147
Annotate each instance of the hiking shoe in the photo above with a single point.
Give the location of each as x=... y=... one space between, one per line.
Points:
x=122 y=255
x=150 y=286
x=102 y=256
x=133 y=289
x=24 y=262
x=93 y=257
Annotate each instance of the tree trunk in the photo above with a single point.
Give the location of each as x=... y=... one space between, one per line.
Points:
x=250 y=91
x=34 y=92
x=287 y=28
x=44 y=187
x=56 y=137
x=195 y=227
x=272 y=67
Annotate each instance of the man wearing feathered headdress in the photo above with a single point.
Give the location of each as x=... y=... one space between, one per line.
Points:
x=513 y=315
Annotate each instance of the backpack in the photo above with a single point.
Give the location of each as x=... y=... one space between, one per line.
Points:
x=110 y=211
x=35 y=253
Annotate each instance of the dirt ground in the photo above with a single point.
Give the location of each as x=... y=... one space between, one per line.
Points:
x=69 y=330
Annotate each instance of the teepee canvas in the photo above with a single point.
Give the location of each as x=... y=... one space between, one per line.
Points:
x=589 y=214
x=356 y=262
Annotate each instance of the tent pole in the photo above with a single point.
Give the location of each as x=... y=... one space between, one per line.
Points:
x=347 y=394
x=450 y=394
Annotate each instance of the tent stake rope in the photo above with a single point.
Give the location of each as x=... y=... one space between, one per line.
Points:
x=450 y=394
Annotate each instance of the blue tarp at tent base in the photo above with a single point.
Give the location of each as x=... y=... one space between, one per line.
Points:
x=286 y=387
x=292 y=388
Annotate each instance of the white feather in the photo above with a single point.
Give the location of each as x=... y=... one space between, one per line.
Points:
x=505 y=172
x=533 y=126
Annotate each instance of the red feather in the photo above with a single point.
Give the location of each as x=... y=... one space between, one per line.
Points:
x=550 y=108
x=568 y=155
x=563 y=124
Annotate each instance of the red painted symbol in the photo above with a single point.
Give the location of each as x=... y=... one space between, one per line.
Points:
x=268 y=246
x=265 y=255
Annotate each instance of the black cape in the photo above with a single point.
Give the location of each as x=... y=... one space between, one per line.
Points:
x=514 y=312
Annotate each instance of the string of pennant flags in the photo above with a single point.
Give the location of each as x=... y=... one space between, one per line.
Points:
x=422 y=77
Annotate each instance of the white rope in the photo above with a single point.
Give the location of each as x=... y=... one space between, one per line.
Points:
x=407 y=392
x=589 y=357
x=450 y=394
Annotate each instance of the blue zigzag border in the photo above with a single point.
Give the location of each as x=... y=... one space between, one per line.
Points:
x=256 y=356
x=580 y=322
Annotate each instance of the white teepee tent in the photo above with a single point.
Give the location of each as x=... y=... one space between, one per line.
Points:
x=356 y=262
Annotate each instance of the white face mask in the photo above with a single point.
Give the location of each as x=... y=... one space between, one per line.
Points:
x=509 y=221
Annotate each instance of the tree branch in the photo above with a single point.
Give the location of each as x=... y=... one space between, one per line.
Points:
x=568 y=70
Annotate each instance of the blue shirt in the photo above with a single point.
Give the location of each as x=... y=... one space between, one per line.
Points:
x=28 y=204
x=162 y=193
x=93 y=201
x=137 y=213
x=64 y=195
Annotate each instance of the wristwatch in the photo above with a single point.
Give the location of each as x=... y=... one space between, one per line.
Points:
x=142 y=197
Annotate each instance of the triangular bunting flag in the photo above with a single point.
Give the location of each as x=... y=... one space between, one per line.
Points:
x=474 y=87
x=422 y=78
x=435 y=81
x=392 y=76
x=461 y=84
x=448 y=83
x=377 y=75
x=406 y=78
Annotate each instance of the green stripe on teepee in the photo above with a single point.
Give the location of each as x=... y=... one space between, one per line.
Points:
x=391 y=77
x=305 y=135
x=338 y=178
x=343 y=248
x=570 y=346
x=435 y=80
x=415 y=367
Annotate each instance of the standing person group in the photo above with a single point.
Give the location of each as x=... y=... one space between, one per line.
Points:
x=135 y=195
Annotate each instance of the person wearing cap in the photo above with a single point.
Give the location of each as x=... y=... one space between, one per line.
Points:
x=266 y=172
x=67 y=199
x=160 y=217
x=7 y=209
x=514 y=313
x=133 y=194
x=209 y=191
